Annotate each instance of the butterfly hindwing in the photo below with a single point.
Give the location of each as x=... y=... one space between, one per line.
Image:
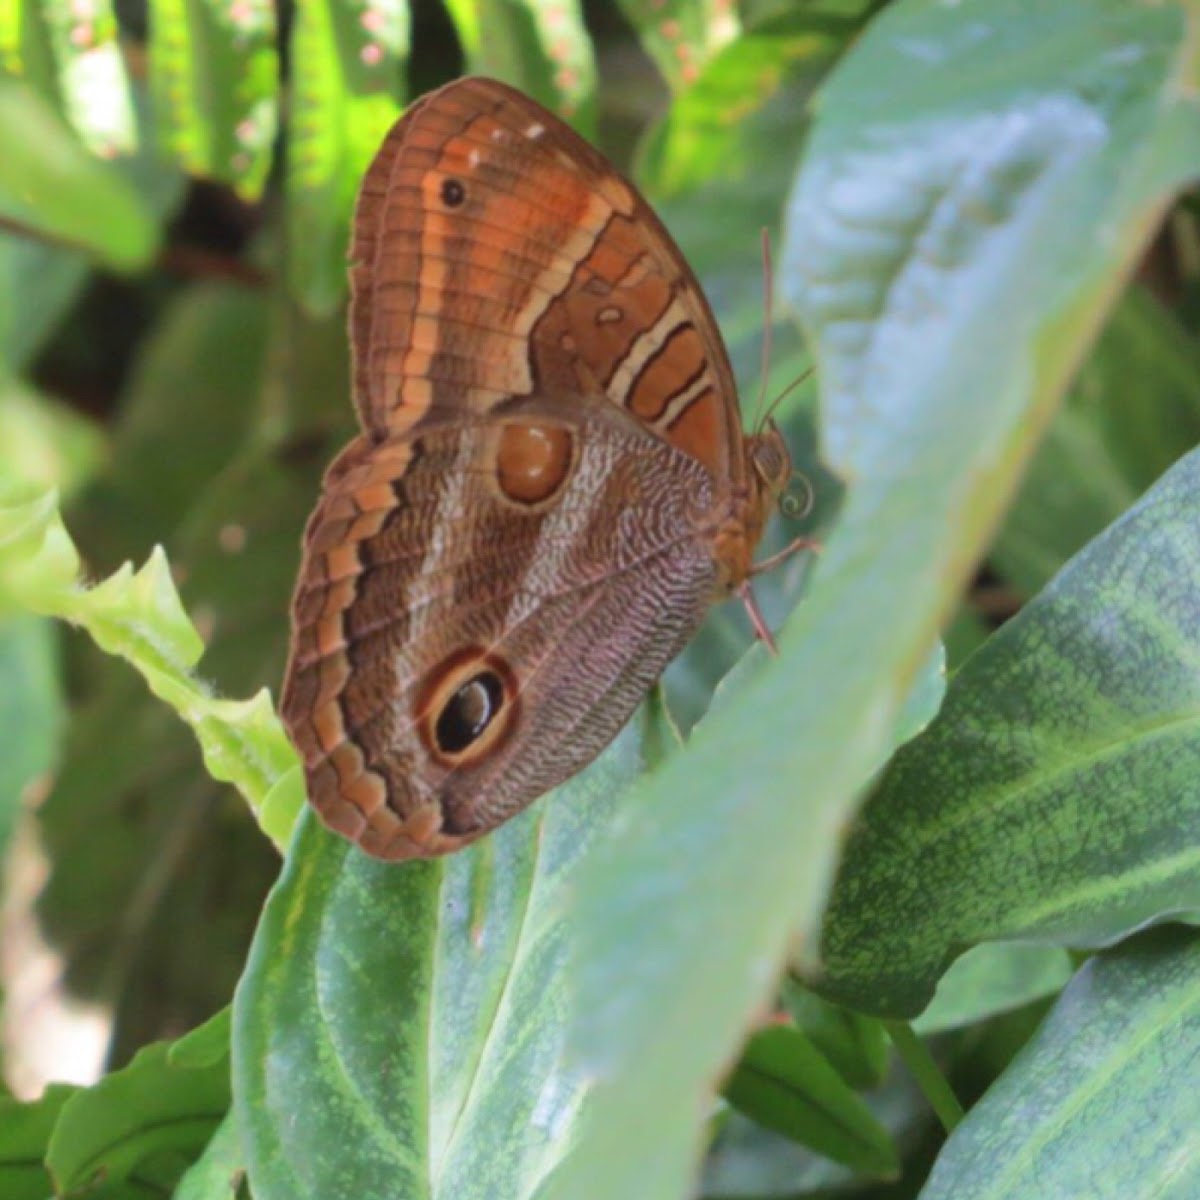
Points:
x=403 y=639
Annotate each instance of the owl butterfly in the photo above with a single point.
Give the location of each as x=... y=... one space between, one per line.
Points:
x=550 y=488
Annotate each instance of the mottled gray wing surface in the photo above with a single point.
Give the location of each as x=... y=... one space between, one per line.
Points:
x=482 y=606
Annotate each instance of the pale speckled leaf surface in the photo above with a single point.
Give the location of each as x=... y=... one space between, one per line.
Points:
x=399 y=1030
x=1103 y=1101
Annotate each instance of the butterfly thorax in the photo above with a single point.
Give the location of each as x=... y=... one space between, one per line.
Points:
x=748 y=507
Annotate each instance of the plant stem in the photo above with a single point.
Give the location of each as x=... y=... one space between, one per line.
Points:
x=925 y=1071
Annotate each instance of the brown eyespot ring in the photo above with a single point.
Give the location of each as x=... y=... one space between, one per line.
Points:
x=467 y=707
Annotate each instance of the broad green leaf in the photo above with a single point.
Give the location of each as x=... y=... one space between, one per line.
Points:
x=219 y=1173
x=968 y=207
x=1054 y=797
x=785 y=1083
x=681 y=35
x=345 y=89
x=54 y=187
x=1103 y=1101
x=91 y=73
x=1134 y=409
x=150 y=1118
x=25 y=1131
x=540 y=46
x=416 y=1012
x=992 y=979
x=31 y=714
x=214 y=78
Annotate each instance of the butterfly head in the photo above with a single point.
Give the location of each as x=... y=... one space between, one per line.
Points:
x=770 y=462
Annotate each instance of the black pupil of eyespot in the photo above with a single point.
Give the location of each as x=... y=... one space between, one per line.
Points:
x=469 y=712
x=453 y=193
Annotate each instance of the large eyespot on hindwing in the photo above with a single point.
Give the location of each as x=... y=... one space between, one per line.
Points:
x=467 y=707
x=531 y=461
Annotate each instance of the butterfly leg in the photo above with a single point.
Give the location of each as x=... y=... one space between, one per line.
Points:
x=793 y=547
x=746 y=594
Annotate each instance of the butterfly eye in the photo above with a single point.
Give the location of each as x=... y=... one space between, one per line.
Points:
x=453 y=193
x=468 y=712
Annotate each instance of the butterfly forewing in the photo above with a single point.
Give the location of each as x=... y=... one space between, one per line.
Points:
x=496 y=254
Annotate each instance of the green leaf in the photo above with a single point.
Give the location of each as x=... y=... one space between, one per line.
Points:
x=417 y=1013
x=42 y=442
x=956 y=235
x=1103 y=1101
x=214 y=78
x=192 y=400
x=25 y=1131
x=139 y=616
x=784 y=1082
x=540 y=46
x=37 y=555
x=1133 y=411
x=715 y=128
x=52 y=186
x=38 y=283
x=205 y=1046
x=25 y=49
x=152 y=1117
x=346 y=62
x=31 y=714
x=992 y=979
x=219 y=1173
x=1052 y=800
x=90 y=69
x=855 y=1045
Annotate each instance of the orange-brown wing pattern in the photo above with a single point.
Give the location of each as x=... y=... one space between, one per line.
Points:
x=496 y=254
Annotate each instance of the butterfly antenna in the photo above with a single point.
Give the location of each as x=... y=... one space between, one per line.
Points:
x=768 y=316
x=787 y=391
